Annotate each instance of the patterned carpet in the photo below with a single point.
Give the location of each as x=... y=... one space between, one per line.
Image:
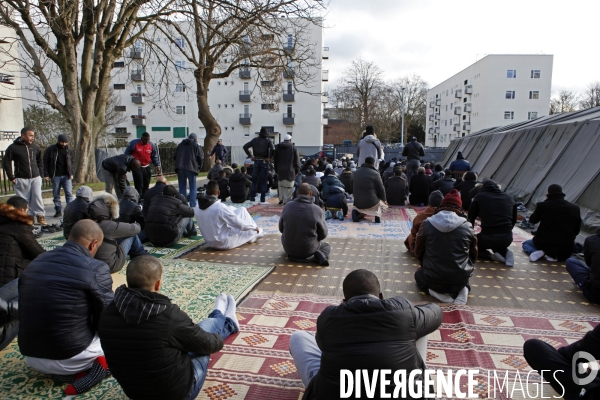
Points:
x=256 y=364
x=193 y=286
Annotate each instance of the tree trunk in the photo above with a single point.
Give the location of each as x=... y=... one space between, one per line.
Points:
x=212 y=127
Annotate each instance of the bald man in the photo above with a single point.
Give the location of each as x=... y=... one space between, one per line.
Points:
x=364 y=332
x=61 y=296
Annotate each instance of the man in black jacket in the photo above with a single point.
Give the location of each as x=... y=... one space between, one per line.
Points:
x=115 y=172
x=239 y=186
x=364 y=332
x=189 y=158
x=61 y=296
x=287 y=165
x=219 y=152
x=419 y=188
x=498 y=213
x=27 y=174
x=58 y=167
x=444 y=185
x=154 y=191
x=223 y=186
x=154 y=349
x=262 y=151
x=413 y=152
x=369 y=193
x=9 y=313
x=129 y=208
x=395 y=188
x=560 y=222
x=586 y=273
x=169 y=218
x=77 y=209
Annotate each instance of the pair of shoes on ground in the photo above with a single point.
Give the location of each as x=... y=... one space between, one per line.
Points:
x=37 y=233
x=225 y=303
x=338 y=215
x=536 y=255
x=522 y=208
x=356 y=217
x=319 y=257
x=51 y=228
x=509 y=260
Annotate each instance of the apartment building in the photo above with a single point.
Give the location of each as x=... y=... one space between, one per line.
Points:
x=499 y=89
x=11 y=107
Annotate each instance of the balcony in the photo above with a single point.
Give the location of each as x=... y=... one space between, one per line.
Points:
x=458 y=93
x=325 y=75
x=438 y=102
x=245 y=73
x=437 y=130
x=7 y=79
x=289 y=95
x=456 y=128
x=288 y=118
x=137 y=76
x=431 y=104
x=468 y=107
x=469 y=89
x=457 y=110
x=288 y=73
x=289 y=49
x=138 y=98
x=325 y=97
x=138 y=120
x=431 y=117
x=467 y=126
x=325 y=53
x=324 y=121
x=431 y=130
x=121 y=132
x=437 y=116
x=246 y=119
x=245 y=96
x=136 y=54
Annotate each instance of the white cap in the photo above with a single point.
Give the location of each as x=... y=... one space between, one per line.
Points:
x=287 y=137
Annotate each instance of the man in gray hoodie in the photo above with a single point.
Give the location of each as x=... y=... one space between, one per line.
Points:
x=369 y=146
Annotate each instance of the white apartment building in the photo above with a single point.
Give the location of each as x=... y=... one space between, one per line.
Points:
x=235 y=102
x=497 y=90
x=11 y=107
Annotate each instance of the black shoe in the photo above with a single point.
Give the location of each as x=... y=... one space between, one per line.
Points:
x=377 y=220
x=280 y=202
x=321 y=258
x=58 y=214
x=355 y=216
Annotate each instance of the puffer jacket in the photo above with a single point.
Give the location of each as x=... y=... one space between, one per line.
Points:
x=17 y=244
x=337 y=199
x=219 y=151
x=303 y=226
x=147 y=340
x=104 y=209
x=223 y=188
x=346 y=179
x=189 y=156
x=62 y=293
x=369 y=146
x=460 y=165
x=330 y=182
x=446 y=246
x=368 y=187
x=497 y=210
x=27 y=159
x=239 y=186
x=444 y=185
x=118 y=165
x=368 y=333
x=129 y=208
x=77 y=209
x=164 y=214
x=591 y=252
x=262 y=147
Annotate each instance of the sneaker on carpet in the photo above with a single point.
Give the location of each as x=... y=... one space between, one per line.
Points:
x=536 y=255
x=41 y=219
x=510 y=258
x=548 y=258
x=339 y=215
x=327 y=214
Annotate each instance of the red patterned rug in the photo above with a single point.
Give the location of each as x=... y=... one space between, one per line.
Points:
x=255 y=364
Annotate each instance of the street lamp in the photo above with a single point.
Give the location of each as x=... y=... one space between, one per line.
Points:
x=402 y=106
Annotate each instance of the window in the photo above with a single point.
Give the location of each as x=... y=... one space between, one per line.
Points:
x=536 y=74
x=511 y=73
x=465 y=100
x=161 y=129
x=119 y=64
x=226 y=128
x=218 y=106
x=180 y=42
x=464 y=117
x=268 y=37
x=219 y=83
x=120 y=108
x=232 y=106
x=289 y=109
x=446 y=93
x=264 y=83
x=532 y=115
x=451 y=106
x=510 y=94
x=466 y=81
x=121 y=131
x=246 y=109
x=225 y=83
x=509 y=115
x=446 y=107
x=232 y=128
x=179 y=64
x=534 y=95
x=225 y=105
x=267 y=106
x=180 y=132
x=119 y=86
x=180 y=110
x=180 y=87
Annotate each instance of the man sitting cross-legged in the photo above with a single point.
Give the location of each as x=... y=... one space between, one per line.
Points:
x=61 y=296
x=586 y=273
x=435 y=199
x=364 y=332
x=303 y=228
x=224 y=227
x=169 y=218
x=369 y=193
x=154 y=349
x=446 y=247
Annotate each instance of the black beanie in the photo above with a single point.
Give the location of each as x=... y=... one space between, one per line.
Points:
x=63 y=138
x=459 y=156
x=369 y=129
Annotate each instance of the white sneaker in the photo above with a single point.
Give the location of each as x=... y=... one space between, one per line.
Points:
x=548 y=258
x=231 y=311
x=536 y=255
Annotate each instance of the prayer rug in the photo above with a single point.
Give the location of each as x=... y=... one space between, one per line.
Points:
x=192 y=286
x=271 y=198
x=256 y=364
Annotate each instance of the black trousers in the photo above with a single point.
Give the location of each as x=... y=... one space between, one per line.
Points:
x=497 y=242
x=541 y=356
x=141 y=179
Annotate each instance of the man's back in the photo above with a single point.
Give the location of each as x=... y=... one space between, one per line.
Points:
x=560 y=222
x=163 y=215
x=302 y=225
x=413 y=151
x=188 y=156
x=117 y=164
x=368 y=188
x=497 y=210
x=395 y=190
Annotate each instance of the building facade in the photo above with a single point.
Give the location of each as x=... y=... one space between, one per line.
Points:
x=496 y=90
x=11 y=106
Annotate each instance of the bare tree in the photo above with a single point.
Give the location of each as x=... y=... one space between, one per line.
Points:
x=112 y=119
x=47 y=124
x=77 y=41
x=564 y=101
x=415 y=97
x=268 y=40
x=591 y=97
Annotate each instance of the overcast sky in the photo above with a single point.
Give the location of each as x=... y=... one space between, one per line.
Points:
x=438 y=38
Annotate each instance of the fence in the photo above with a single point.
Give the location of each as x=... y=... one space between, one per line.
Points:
x=431 y=154
x=6 y=186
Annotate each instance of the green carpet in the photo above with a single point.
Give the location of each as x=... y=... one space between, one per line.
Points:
x=191 y=285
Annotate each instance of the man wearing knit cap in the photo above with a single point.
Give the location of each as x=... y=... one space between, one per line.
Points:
x=460 y=164
x=446 y=247
x=58 y=167
x=413 y=152
x=287 y=166
x=560 y=222
x=435 y=199
x=262 y=151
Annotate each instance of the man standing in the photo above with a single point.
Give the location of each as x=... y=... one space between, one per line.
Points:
x=369 y=146
x=287 y=165
x=115 y=172
x=61 y=296
x=413 y=152
x=369 y=193
x=460 y=164
x=262 y=151
x=219 y=152
x=303 y=229
x=145 y=152
x=58 y=167
x=27 y=175
x=189 y=158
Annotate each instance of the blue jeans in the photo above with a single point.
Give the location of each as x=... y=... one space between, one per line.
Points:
x=528 y=247
x=580 y=273
x=132 y=246
x=9 y=292
x=259 y=174
x=186 y=228
x=215 y=323
x=67 y=184
x=185 y=177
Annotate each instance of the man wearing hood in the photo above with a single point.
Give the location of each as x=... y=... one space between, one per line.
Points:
x=498 y=213
x=262 y=151
x=446 y=247
x=58 y=168
x=239 y=186
x=154 y=349
x=287 y=165
x=189 y=158
x=120 y=238
x=77 y=209
x=413 y=152
x=330 y=181
x=115 y=172
x=303 y=229
x=27 y=174
x=154 y=191
x=213 y=173
x=369 y=146
x=560 y=222
x=586 y=272
x=460 y=164
x=435 y=199
x=336 y=203
x=347 y=180
x=145 y=152
x=224 y=227
x=129 y=208
x=169 y=218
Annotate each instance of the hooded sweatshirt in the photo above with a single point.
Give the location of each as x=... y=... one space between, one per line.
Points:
x=189 y=155
x=369 y=146
x=146 y=340
x=77 y=209
x=129 y=208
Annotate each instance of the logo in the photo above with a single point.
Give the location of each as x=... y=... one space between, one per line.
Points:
x=581 y=368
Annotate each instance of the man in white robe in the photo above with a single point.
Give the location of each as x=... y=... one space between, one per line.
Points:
x=224 y=227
